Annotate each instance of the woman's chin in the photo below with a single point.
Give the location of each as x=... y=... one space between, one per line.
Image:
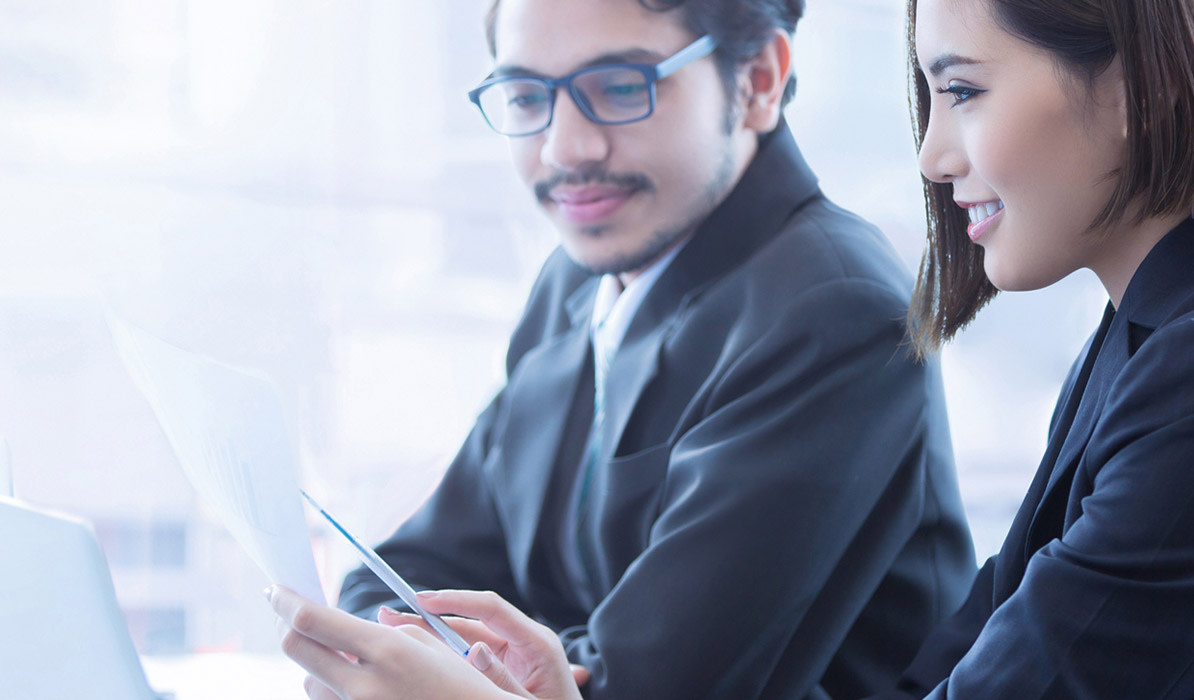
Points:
x=1015 y=279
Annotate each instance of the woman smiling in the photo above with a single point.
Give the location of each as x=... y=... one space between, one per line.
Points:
x=1056 y=135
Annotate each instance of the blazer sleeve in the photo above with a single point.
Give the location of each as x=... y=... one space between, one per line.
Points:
x=471 y=537
x=783 y=509
x=1104 y=611
x=948 y=642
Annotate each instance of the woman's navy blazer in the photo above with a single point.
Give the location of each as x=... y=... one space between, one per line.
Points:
x=1092 y=594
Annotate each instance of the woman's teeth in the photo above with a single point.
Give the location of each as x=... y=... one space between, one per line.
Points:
x=978 y=212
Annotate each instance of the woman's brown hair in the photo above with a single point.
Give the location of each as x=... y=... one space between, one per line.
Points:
x=1154 y=41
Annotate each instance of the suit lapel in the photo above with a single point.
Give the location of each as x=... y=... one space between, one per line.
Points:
x=548 y=375
x=1112 y=357
x=1026 y=516
x=1104 y=360
x=635 y=365
x=1016 y=550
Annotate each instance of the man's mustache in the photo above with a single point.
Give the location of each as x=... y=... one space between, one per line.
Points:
x=629 y=181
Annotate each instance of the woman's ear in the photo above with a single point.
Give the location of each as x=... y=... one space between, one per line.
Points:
x=764 y=80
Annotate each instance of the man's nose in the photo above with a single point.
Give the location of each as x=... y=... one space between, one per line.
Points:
x=572 y=140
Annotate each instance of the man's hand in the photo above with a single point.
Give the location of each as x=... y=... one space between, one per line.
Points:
x=516 y=653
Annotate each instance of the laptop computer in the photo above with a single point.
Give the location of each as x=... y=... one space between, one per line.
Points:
x=62 y=634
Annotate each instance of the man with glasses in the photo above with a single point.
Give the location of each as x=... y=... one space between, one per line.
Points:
x=712 y=428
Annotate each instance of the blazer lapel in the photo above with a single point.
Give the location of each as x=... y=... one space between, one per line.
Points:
x=548 y=375
x=1015 y=553
x=635 y=365
x=1106 y=357
x=1026 y=515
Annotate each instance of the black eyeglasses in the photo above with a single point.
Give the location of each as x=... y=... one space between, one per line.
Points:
x=614 y=93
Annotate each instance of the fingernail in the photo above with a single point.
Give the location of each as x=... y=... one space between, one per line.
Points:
x=268 y=593
x=481 y=657
x=388 y=610
x=427 y=595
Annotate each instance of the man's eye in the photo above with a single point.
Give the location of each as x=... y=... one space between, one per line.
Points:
x=527 y=101
x=626 y=90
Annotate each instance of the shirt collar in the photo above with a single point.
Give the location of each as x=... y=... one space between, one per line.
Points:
x=614 y=307
x=1164 y=279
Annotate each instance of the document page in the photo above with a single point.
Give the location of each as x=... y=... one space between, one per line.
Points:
x=227 y=430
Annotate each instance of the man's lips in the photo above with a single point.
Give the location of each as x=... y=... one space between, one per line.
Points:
x=590 y=198
x=589 y=204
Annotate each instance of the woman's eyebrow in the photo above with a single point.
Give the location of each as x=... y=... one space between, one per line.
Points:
x=949 y=60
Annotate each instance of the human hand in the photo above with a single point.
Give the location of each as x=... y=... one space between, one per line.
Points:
x=354 y=659
x=511 y=649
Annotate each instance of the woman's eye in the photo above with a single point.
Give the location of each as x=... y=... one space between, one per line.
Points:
x=960 y=93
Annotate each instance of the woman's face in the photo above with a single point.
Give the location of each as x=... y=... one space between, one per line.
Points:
x=1030 y=150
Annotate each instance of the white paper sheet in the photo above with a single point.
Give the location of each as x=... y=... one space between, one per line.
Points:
x=226 y=427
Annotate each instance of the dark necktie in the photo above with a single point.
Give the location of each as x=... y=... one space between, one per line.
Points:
x=602 y=357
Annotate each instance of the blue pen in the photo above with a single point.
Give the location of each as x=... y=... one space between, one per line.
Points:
x=391 y=578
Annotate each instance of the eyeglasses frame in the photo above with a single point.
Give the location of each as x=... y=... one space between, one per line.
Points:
x=652 y=73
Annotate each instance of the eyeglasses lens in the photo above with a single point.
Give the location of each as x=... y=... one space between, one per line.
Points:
x=610 y=95
x=614 y=95
x=516 y=106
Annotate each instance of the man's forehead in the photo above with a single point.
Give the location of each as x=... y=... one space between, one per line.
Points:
x=558 y=36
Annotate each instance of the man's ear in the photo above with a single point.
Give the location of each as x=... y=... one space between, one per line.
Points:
x=763 y=81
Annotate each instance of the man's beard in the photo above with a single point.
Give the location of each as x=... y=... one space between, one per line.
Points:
x=661 y=240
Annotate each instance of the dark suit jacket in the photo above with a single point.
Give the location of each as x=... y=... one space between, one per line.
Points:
x=775 y=506
x=1092 y=594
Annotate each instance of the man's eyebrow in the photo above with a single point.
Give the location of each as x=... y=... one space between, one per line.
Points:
x=949 y=60
x=627 y=56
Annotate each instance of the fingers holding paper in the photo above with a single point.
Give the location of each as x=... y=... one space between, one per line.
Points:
x=352 y=658
x=511 y=649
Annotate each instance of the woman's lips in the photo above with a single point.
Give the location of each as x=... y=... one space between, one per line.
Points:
x=982 y=215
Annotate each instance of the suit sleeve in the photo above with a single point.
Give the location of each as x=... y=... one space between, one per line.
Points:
x=814 y=435
x=948 y=642
x=445 y=544
x=1104 y=611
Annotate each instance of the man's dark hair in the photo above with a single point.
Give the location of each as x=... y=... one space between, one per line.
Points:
x=741 y=27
